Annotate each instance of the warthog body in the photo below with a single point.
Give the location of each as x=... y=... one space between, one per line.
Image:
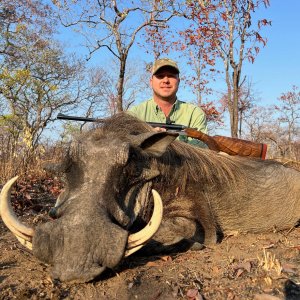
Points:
x=109 y=173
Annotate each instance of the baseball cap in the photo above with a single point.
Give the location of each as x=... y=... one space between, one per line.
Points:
x=164 y=62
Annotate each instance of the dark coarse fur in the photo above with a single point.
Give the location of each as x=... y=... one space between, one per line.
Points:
x=181 y=162
x=196 y=183
x=109 y=174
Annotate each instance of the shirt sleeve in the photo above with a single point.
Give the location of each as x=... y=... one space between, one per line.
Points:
x=132 y=110
x=139 y=111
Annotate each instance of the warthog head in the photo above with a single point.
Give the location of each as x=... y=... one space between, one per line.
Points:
x=108 y=185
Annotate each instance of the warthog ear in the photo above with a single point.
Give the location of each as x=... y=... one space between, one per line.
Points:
x=154 y=143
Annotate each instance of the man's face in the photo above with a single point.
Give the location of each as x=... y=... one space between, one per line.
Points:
x=165 y=83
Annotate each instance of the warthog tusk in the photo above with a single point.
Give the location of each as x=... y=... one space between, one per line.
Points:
x=138 y=239
x=23 y=233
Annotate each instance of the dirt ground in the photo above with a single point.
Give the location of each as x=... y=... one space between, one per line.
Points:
x=251 y=266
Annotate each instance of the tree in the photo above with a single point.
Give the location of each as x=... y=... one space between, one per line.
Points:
x=246 y=101
x=36 y=78
x=107 y=78
x=36 y=85
x=15 y=15
x=277 y=125
x=114 y=26
x=259 y=123
x=289 y=115
x=227 y=26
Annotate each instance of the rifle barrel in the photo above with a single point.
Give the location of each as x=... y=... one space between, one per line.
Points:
x=167 y=126
x=75 y=118
x=153 y=124
x=232 y=146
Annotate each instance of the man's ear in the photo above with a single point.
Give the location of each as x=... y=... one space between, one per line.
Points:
x=150 y=81
x=154 y=143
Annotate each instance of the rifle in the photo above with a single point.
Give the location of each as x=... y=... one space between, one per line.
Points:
x=231 y=146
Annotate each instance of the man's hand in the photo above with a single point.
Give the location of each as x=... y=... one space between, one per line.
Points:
x=159 y=129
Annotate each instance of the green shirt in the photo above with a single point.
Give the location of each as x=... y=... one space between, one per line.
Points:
x=182 y=113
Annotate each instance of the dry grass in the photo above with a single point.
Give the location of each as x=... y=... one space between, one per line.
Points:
x=13 y=165
x=269 y=263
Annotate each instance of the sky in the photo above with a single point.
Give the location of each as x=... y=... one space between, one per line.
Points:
x=275 y=70
x=277 y=67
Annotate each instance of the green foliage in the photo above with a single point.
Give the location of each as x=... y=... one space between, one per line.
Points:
x=36 y=78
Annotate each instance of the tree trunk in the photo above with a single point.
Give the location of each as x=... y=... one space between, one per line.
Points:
x=120 y=87
x=231 y=100
x=235 y=101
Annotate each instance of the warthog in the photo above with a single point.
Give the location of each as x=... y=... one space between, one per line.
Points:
x=110 y=172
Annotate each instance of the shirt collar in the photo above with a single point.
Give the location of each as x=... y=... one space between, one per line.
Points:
x=174 y=107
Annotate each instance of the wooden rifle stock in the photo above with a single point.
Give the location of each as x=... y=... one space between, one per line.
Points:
x=231 y=146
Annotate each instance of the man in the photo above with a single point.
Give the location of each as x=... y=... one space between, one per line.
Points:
x=164 y=107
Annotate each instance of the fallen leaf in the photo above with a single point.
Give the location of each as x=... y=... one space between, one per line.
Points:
x=297 y=247
x=166 y=258
x=239 y=272
x=152 y=264
x=289 y=268
x=193 y=294
x=245 y=265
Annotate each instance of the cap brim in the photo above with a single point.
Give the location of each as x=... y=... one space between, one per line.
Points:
x=171 y=67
